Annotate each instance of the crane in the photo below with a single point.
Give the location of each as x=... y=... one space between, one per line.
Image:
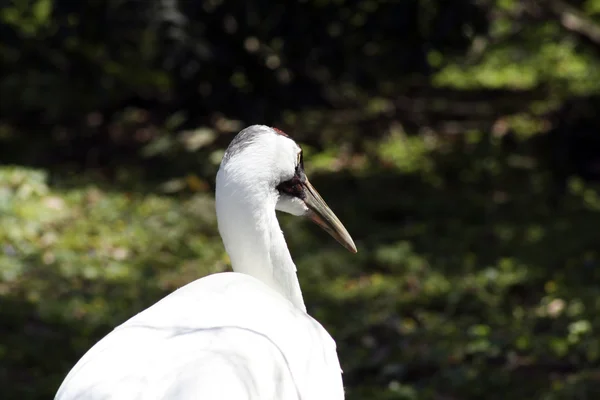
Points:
x=232 y=335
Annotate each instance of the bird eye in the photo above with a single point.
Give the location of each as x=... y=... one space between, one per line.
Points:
x=293 y=187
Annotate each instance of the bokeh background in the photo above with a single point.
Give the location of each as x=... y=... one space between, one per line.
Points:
x=457 y=140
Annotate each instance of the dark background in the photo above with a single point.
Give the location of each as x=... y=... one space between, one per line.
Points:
x=457 y=140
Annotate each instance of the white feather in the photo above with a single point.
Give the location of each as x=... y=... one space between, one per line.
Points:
x=237 y=335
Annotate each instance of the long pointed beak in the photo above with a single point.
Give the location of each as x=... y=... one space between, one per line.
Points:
x=320 y=213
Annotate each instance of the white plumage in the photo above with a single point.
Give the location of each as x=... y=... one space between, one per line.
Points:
x=234 y=335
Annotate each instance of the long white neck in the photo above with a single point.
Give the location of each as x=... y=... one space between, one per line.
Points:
x=253 y=238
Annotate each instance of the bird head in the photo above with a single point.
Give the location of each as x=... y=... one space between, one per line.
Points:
x=273 y=162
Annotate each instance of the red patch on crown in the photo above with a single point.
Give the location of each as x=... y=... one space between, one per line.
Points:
x=280 y=132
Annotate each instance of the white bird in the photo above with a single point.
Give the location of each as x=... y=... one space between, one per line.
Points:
x=232 y=335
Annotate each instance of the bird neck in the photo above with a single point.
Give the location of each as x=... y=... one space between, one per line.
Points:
x=254 y=241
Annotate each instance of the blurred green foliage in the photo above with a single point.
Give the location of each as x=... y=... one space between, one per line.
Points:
x=457 y=141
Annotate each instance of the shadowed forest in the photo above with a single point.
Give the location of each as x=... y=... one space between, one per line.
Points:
x=458 y=141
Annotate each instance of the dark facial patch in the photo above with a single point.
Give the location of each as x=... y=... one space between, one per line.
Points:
x=295 y=186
